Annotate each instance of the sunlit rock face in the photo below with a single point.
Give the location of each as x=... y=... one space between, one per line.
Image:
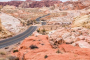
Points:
x=11 y=23
x=14 y=3
x=82 y=21
x=39 y=48
x=3 y=32
x=74 y=36
x=50 y=0
x=85 y=2
x=34 y=4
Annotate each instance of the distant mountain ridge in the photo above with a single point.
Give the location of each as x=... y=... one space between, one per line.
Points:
x=80 y=4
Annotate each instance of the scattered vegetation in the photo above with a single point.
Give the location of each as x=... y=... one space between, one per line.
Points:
x=38 y=31
x=6 y=47
x=45 y=56
x=33 y=47
x=13 y=58
x=43 y=30
x=2 y=53
x=15 y=51
x=58 y=51
x=28 y=17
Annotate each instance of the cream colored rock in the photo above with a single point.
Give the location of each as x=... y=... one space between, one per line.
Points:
x=82 y=44
x=36 y=33
x=3 y=32
x=0 y=25
x=82 y=21
x=70 y=36
x=11 y=23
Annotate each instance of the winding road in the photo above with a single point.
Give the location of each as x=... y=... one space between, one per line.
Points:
x=20 y=37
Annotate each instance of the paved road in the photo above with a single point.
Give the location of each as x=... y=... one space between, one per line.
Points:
x=43 y=23
x=20 y=37
x=17 y=38
x=38 y=19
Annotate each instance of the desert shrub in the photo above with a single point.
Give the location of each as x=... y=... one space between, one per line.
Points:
x=15 y=51
x=2 y=53
x=45 y=56
x=33 y=47
x=13 y=58
x=38 y=30
x=58 y=51
x=6 y=47
x=43 y=30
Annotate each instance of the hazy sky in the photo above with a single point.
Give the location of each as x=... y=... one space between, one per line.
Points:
x=24 y=0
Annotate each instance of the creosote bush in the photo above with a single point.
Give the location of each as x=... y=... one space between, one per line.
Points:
x=43 y=30
x=15 y=51
x=33 y=47
x=45 y=56
x=58 y=51
x=38 y=30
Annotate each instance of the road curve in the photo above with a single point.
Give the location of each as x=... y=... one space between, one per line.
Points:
x=17 y=38
x=20 y=37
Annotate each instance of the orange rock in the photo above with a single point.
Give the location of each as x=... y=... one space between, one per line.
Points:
x=46 y=52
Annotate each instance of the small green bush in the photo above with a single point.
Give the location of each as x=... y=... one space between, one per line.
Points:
x=45 y=56
x=15 y=51
x=38 y=30
x=33 y=47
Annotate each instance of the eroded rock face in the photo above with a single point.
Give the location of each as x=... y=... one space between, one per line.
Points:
x=69 y=5
x=69 y=36
x=34 y=4
x=82 y=21
x=3 y=32
x=81 y=44
x=14 y=3
x=85 y=2
x=39 y=48
x=11 y=23
x=0 y=25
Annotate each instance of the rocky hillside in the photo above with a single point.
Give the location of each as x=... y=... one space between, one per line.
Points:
x=73 y=36
x=82 y=21
x=14 y=3
x=3 y=32
x=69 y=5
x=34 y=4
x=39 y=48
x=11 y=23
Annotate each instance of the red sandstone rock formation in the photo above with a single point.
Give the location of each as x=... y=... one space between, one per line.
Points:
x=75 y=36
x=39 y=48
x=50 y=0
x=14 y=3
x=33 y=4
x=72 y=5
x=69 y=5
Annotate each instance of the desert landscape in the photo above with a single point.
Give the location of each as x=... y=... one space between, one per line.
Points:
x=45 y=30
